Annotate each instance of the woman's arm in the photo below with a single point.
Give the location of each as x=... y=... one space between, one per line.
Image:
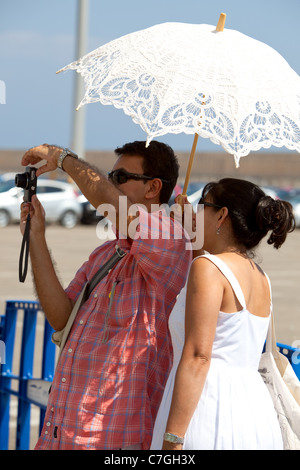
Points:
x=204 y=296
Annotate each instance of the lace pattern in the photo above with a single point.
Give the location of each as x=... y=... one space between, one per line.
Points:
x=176 y=77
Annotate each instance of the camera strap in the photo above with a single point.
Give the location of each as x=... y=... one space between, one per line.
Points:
x=24 y=250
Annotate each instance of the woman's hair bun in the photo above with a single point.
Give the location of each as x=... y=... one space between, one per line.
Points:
x=276 y=216
x=253 y=214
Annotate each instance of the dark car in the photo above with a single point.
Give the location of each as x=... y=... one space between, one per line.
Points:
x=89 y=213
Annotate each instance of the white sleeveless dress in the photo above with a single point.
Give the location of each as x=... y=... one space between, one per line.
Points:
x=235 y=410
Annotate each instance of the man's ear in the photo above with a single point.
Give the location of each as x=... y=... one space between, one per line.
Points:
x=153 y=188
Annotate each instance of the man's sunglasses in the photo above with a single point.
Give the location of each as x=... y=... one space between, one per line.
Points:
x=122 y=176
x=208 y=204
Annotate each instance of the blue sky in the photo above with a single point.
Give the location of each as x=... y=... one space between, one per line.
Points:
x=37 y=37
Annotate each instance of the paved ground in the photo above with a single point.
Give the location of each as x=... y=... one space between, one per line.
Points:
x=71 y=247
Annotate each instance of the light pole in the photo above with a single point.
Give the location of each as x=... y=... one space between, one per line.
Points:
x=78 y=129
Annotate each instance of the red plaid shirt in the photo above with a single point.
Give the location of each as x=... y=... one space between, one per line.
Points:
x=109 y=381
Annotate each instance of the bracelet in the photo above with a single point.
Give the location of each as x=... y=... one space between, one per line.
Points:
x=65 y=152
x=170 y=437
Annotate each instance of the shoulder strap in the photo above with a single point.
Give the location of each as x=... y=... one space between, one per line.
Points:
x=271 y=336
x=87 y=289
x=105 y=269
x=271 y=300
x=226 y=271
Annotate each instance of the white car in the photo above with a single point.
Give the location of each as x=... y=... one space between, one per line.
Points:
x=295 y=201
x=59 y=199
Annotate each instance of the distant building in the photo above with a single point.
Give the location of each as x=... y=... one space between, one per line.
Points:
x=267 y=168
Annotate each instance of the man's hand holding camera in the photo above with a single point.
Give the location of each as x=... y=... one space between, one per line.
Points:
x=48 y=287
x=32 y=216
x=31 y=205
x=28 y=181
x=35 y=155
x=37 y=216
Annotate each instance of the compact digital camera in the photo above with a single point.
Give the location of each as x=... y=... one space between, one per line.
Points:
x=27 y=181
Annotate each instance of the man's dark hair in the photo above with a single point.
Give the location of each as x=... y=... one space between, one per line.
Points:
x=159 y=161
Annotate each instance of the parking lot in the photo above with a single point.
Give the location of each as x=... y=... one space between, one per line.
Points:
x=71 y=247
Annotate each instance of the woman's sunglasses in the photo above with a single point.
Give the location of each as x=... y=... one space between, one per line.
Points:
x=208 y=204
x=122 y=176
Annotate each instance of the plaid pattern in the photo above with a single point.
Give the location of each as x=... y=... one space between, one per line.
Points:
x=110 y=379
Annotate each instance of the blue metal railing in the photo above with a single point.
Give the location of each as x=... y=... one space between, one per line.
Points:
x=34 y=391
x=293 y=355
x=29 y=390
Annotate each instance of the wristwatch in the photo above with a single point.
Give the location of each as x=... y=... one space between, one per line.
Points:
x=65 y=152
x=170 y=437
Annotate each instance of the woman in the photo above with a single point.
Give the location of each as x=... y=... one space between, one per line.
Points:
x=217 y=398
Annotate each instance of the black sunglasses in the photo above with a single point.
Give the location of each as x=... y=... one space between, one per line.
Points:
x=122 y=176
x=208 y=204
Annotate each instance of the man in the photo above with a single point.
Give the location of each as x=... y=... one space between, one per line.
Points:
x=112 y=371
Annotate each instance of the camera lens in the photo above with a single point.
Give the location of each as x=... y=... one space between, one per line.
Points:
x=21 y=180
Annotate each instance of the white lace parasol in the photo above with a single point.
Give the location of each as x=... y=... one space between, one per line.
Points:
x=176 y=77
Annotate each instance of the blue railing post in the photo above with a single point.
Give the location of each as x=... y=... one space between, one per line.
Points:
x=8 y=329
x=293 y=355
x=25 y=373
x=26 y=383
x=48 y=359
x=48 y=363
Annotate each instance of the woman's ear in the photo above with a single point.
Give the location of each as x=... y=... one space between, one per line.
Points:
x=222 y=216
x=224 y=213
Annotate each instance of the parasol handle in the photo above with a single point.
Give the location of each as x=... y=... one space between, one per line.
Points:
x=221 y=22
x=219 y=28
x=188 y=173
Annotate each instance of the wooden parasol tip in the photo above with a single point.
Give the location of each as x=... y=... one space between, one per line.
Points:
x=221 y=22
